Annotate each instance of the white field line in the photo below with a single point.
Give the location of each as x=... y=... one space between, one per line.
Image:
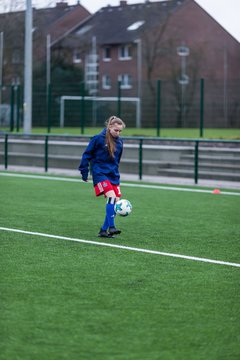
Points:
x=122 y=247
x=157 y=187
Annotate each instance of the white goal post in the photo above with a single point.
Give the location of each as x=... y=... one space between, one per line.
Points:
x=65 y=98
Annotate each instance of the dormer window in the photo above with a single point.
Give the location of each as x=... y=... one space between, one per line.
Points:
x=84 y=30
x=135 y=25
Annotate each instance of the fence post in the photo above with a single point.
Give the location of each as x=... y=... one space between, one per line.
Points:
x=12 y=107
x=6 y=151
x=119 y=99
x=49 y=105
x=158 y=107
x=82 y=107
x=201 y=107
x=46 y=154
x=140 y=159
x=18 y=107
x=196 y=162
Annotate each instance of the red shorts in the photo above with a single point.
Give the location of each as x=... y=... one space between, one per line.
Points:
x=104 y=186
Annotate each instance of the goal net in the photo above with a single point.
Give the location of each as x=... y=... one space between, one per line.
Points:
x=97 y=109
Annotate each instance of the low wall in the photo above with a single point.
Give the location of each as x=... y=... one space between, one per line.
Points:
x=219 y=160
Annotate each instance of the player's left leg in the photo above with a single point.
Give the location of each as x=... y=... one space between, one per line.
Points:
x=112 y=229
x=106 y=188
x=110 y=213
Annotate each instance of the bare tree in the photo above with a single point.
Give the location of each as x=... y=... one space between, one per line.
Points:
x=11 y=5
x=162 y=62
x=153 y=49
x=12 y=25
x=18 y=5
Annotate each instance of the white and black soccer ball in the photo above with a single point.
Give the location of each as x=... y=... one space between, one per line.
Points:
x=123 y=207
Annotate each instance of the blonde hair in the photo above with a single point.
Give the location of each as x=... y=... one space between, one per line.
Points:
x=109 y=139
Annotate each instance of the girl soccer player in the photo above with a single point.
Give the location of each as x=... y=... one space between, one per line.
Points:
x=104 y=152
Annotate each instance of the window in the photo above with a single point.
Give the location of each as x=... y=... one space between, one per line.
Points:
x=76 y=57
x=124 y=52
x=126 y=81
x=106 y=82
x=107 y=53
x=16 y=56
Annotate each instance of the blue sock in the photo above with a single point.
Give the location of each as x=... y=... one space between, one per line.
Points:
x=110 y=214
x=105 y=224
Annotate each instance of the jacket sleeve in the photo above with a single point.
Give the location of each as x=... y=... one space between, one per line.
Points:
x=86 y=158
x=121 y=151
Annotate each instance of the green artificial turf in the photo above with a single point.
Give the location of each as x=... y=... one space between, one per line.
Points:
x=67 y=300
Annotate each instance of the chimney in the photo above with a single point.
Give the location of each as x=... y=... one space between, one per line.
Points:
x=123 y=2
x=61 y=4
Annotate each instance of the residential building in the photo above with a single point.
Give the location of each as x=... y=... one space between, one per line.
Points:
x=53 y=21
x=175 y=41
x=126 y=50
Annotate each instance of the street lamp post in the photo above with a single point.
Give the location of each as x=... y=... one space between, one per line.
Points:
x=183 y=52
x=139 y=77
x=28 y=69
x=1 y=66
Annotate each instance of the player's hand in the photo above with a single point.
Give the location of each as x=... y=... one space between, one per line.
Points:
x=84 y=178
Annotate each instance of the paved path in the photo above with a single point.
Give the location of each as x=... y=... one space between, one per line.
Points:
x=127 y=177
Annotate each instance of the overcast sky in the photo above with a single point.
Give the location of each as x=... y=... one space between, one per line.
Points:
x=226 y=12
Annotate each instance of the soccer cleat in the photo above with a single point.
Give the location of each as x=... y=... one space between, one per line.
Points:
x=114 y=231
x=104 y=234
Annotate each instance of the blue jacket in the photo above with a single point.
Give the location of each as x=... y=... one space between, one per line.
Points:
x=103 y=166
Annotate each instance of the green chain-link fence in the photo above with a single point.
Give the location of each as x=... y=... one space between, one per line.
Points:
x=161 y=104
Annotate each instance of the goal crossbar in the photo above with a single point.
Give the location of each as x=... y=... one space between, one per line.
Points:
x=98 y=98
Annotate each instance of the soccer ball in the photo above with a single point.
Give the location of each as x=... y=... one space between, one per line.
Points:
x=123 y=207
